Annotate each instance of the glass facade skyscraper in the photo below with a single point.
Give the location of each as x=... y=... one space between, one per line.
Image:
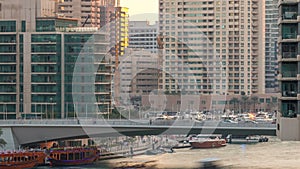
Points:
x=57 y=70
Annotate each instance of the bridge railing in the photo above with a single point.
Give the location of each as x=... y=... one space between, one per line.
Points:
x=116 y=122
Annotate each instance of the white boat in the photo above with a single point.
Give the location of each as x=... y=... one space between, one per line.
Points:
x=245 y=140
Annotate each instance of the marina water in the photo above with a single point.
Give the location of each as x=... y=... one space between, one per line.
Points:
x=272 y=154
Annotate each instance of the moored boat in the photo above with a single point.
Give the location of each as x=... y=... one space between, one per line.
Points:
x=246 y=140
x=21 y=159
x=70 y=156
x=207 y=141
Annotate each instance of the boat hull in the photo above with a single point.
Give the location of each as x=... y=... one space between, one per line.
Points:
x=18 y=166
x=208 y=144
x=54 y=162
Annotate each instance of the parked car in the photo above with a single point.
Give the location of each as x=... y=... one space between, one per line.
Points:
x=230 y=121
x=248 y=122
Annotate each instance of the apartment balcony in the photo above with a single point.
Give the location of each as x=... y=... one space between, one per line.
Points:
x=255 y=35
x=254 y=77
x=254 y=65
x=290 y=15
x=288 y=98
x=254 y=18
x=254 y=6
x=289 y=73
x=86 y=9
x=254 y=24
x=85 y=3
x=280 y=77
x=8 y=42
x=289 y=93
x=7 y=62
x=254 y=30
x=103 y=93
x=254 y=11
x=102 y=83
x=254 y=47
x=288 y=56
x=290 y=35
x=282 y=2
x=8 y=82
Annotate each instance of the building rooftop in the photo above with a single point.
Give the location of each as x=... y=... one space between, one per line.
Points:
x=76 y=29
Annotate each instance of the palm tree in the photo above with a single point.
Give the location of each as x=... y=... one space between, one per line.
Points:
x=234 y=101
x=274 y=103
x=244 y=102
x=254 y=101
x=2 y=141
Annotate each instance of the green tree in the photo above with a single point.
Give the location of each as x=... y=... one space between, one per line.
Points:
x=2 y=141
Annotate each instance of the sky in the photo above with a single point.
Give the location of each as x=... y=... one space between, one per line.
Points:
x=141 y=9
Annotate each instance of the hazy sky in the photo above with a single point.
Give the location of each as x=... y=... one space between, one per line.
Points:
x=141 y=9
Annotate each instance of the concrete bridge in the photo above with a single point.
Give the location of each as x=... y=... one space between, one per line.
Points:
x=22 y=132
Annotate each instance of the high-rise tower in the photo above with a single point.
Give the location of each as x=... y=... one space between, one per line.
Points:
x=271 y=45
x=288 y=119
x=213 y=46
x=83 y=10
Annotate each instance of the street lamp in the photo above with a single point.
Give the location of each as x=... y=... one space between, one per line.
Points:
x=35 y=111
x=46 y=110
x=5 y=111
x=85 y=110
x=74 y=109
x=41 y=112
x=67 y=110
x=129 y=114
x=51 y=99
x=21 y=107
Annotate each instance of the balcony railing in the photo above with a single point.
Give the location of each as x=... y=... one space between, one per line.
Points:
x=290 y=15
x=289 y=94
x=289 y=73
x=289 y=113
x=292 y=35
x=289 y=54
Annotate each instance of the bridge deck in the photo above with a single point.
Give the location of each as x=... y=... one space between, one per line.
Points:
x=33 y=131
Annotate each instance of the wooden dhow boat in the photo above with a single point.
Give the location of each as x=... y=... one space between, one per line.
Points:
x=21 y=159
x=70 y=156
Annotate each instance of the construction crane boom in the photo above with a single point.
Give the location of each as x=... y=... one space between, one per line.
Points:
x=87 y=18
